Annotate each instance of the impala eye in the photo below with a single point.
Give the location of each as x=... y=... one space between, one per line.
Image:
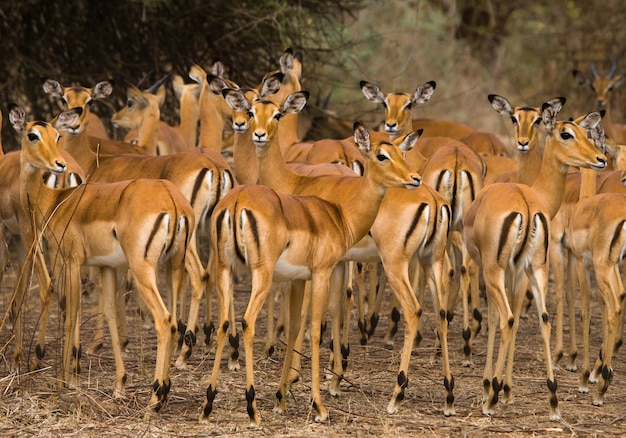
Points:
x=64 y=101
x=381 y=157
x=33 y=137
x=278 y=116
x=566 y=135
x=514 y=120
x=129 y=103
x=250 y=114
x=537 y=121
x=408 y=106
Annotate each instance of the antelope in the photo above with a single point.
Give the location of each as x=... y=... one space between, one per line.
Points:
x=16 y=222
x=526 y=120
x=84 y=97
x=597 y=243
x=140 y=234
x=454 y=170
x=422 y=234
x=170 y=139
x=96 y=125
x=602 y=86
x=202 y=177
x=213 y=111
x=305 y=237
x=507 y=230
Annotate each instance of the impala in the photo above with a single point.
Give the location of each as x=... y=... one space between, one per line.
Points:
x=213 y=111
x=421 y=235
x=16 y=222
x=202 y=176
x=73 y=97
x=507 y=230
x=603 y=87
x=140 y=234
x=597 y=242
x=170 y=139
x=526 y=120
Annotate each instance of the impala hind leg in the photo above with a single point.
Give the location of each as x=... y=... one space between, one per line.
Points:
x=197 y=278
x=261 y=286
x=608 y=284
x=224 y=290
x=292 y=332
x=340 y=321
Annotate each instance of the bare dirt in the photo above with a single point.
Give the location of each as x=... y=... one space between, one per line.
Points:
x=32 y=405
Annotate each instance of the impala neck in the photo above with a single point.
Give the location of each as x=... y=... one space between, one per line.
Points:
x=358 y=198
x=211 y=120
x=78 y=146
x=288 y=132
x=550 y=183
x=148 y=132
x=529 y=162
x=587 y=182
x=607 y=121
x=36 y=199
x=273 y=171
x=245 y=159
x=189 y=116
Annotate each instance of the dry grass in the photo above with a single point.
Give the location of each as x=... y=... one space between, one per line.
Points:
x=32 y=405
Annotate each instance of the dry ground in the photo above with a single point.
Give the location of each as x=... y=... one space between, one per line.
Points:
x=31 y=405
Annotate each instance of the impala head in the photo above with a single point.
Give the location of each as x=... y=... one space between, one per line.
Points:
x=184 y=90
x=575 y=140
x=269 y=86
x=263 y=114
x=386 y=161
x=78 y=97
x=140 y=104
x=398 y=118
x=525 y=119
x=600 y=85
x=39 y=139
x=289 y=75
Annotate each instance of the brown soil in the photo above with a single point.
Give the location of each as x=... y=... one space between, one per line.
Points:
x=31 y=404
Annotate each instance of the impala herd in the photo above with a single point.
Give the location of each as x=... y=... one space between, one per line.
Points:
x=436 y=204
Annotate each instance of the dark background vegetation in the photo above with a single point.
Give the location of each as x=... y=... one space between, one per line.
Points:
x=524 y=50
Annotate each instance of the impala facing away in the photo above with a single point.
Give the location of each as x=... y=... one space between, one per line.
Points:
x=507 y=230
x=109 y=226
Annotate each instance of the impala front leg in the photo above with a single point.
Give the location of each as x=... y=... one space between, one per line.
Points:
x=319 y=296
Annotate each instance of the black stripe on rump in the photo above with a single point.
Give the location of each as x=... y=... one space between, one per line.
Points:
x=155 y=228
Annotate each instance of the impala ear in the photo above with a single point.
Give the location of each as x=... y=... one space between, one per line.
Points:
x=17 y=117
x=236 y=100
x=67 y=119
x=501 y=105
x=217 y=68
x=102 y=89
x=216 y=84
x=286 y=61
x=271 y=84
x=410 y=139
x=549 y=111
x=591 y=120
x=372 y=92
x=52 y=87
x=424 y=92
x=582 y=78
x=295 y=102
x=362 y=137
